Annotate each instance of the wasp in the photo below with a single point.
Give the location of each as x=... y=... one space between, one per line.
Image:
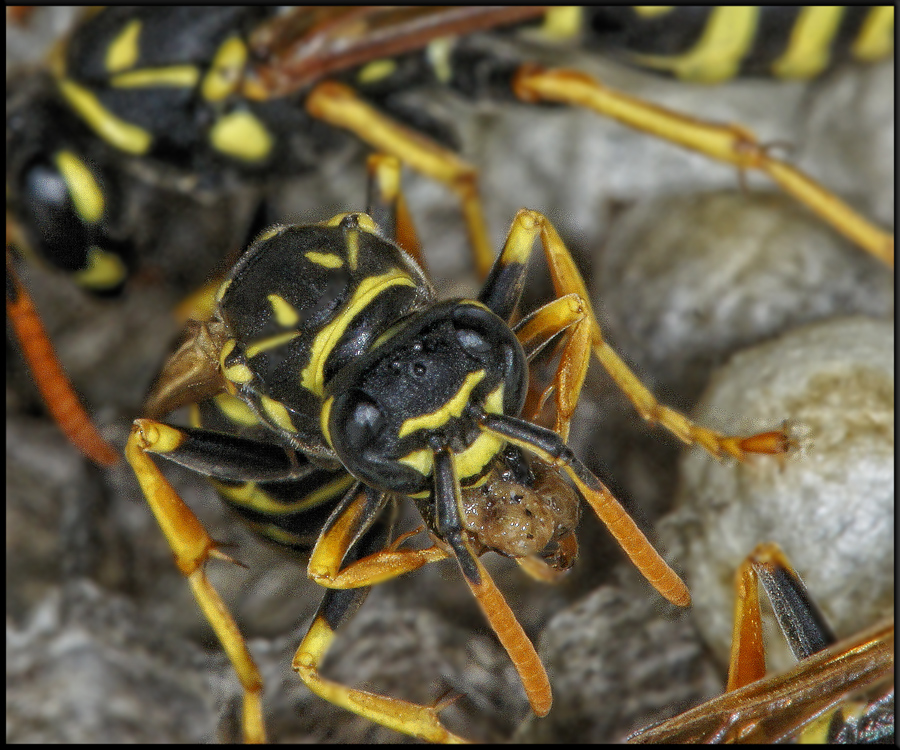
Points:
x=332 y=341
x=230 y=99
x=158 y=183
x=839 y=692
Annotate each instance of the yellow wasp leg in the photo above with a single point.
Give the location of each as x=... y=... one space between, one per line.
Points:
x=727 y=143
x=567 y=280
x=339 y=105
x=331 y=546
x=394 y=713
x=192 y=547
x=386 y=197
x=339 y=605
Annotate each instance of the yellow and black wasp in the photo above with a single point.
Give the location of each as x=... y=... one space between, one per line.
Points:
x=840 y=692
x=142 y=104
x=333 y=27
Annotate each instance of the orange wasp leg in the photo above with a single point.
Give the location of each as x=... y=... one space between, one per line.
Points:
x=51 y=380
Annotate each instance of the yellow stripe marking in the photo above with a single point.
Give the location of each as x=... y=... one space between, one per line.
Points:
x=223 y=288
x=453 y=408
x=174 y=76
x=263 y=345
x=242 y=136
x=226 y=70
x=726 y=40
x=277 y=412
x=124 y=51
x=269 y=233
x=285 y=313
x=324 y=414
x=562 y=23
x=328 y=260
x=809 y=48
x=313 y=375
x=652 y=11
x=439 y=53
x=115 y=131
x=103 y=270
x=236 y=410
x=250 y=496
x=376 y=70
x=421 y=460
x=876 y=37
x=352 y=240
x=85 y=192
x=238 y=374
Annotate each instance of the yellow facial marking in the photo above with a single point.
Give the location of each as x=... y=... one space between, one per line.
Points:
x=236 y=410
x=285 y=314
x=328 y=260
x=453 y=408
x=86 y=194
x=421 y=460
x=277 y=413
x=313 y=375
x=103 y=271
x=124 y=50
x=473 y=460
x=376 y=70
x=809 y=50
x=493 y=404
x=174 y=76
x=242 y=136
x=226 y=70
x=263 y=345
x=726 y=40
x=115 y=131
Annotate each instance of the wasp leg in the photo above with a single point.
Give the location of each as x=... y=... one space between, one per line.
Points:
x=500 y=293
x=801 y=620
x=346 y=537
x=547 y=445
x=566 y=314
x=495 y=608
x=49 y=377
x=728 y=143
x=387 y=205
x=192 y=547
x=338 y=105
x=348 y=521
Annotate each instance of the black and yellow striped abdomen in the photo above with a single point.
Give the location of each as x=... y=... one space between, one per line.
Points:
x=708 y=44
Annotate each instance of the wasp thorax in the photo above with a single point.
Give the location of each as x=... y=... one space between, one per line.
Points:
x=424 y=388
